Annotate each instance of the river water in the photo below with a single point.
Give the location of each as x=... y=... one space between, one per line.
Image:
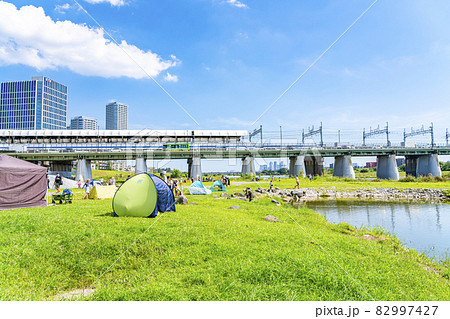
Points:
x=424 y=226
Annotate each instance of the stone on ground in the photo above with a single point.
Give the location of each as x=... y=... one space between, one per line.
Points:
x=182 y=200
x=271 y=218
x=234 y=207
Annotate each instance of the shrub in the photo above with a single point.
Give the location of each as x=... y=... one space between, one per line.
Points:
x=408 y=179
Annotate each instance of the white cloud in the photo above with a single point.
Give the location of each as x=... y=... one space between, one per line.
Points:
x=170 y=78
x=116 y=3
x=236 y=3
x=28 y=36
x=62 y=8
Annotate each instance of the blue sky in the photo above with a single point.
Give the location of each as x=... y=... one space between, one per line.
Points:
x=227 y=61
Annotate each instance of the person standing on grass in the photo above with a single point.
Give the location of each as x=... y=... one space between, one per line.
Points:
x=296 y=180
x=87 y=188
x=79 y=183
x=271 y=187
x=58 y=182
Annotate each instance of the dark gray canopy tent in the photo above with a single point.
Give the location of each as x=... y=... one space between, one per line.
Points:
x=22 y=184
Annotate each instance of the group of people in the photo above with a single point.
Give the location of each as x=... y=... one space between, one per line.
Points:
x=175 y=185
x=225 y=180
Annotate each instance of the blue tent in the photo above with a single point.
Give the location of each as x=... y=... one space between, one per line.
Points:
x=197 y=188
x=165 y=200
x=220 y=185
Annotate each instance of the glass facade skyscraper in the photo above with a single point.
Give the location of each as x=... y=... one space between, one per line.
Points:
x=116 y=116
x=38 y=104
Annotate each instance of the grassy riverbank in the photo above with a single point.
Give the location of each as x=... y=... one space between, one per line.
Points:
x=342 y=183
x=206 y=251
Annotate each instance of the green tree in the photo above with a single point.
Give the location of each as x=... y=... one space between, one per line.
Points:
x=175 y=173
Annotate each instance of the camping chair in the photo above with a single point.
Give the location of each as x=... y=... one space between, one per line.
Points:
x=65 y=197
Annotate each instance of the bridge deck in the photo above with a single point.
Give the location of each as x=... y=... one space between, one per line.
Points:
x=226 y=153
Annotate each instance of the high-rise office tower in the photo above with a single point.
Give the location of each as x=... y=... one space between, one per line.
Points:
x=38 y=104
x=116 y=116
x=83 y=123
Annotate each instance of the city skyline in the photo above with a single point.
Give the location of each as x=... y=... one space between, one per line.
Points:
x=225 y=64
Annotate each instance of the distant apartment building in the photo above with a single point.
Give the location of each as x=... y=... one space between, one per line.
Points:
x=119 y=166
x=263 y=167
x=116 y=116
x=83 y=123
x=371 y=164
x=39 y=104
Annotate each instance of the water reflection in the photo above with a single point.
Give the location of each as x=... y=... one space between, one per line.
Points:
x=424 y=227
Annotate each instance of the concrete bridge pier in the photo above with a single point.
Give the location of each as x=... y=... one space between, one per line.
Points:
x=314 y=165
x=195 y=167
x=343 y=167
x=141 y=165
x=423 y=165
x=428 y=164
x=387 y=167
x=63 y=168
x=84 y=171
x=297 y=166
x=248 y=165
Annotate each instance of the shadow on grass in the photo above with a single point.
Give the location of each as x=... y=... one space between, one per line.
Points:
x=111 y=214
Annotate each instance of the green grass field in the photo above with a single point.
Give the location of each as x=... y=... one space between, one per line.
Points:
x=205 y=251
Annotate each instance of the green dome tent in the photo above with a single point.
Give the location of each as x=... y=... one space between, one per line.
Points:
x=143 y=195
x=220 y=185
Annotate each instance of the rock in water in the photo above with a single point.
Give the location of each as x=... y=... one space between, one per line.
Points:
x=271 y=218
x=234 y=207
x=182 y=200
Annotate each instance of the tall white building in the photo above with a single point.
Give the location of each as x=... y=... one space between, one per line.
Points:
x=83 y=123
x=116 y=116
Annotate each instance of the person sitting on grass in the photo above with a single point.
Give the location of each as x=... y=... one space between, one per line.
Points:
x=87 y=188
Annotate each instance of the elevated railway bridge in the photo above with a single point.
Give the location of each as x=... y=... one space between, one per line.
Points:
x=60 y=148
x=303 y=160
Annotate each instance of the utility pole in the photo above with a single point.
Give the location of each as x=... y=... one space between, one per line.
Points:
x=377 y=131
x=312 y=132
x=421 y=131
x=281 y=137
x=339 y=137
x=321 y=135
x=432 y=134
x=364 y=137
x=446 y=136
x=387 y=134
x=260 y=128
